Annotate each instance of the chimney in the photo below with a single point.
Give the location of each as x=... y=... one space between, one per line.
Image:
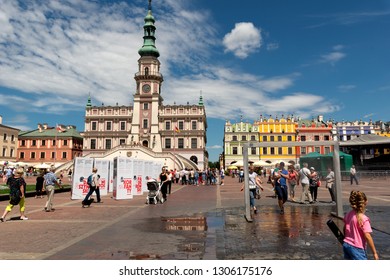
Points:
x=1 y=119
x=40 y=127
x=45 y=126
x=320 y=118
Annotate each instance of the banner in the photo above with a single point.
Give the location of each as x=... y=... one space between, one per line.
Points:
x=102 y=166
x=82 y=169
x=123 y=180
x=138 y=176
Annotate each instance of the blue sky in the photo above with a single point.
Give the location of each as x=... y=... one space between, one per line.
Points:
x=247 y=57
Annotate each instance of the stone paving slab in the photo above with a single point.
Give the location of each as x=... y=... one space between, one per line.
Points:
x=130 y=229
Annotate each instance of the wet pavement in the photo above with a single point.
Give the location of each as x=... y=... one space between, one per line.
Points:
x=196 y=223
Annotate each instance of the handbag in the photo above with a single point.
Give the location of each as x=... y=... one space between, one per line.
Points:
x=318 y=183
x=14 y=197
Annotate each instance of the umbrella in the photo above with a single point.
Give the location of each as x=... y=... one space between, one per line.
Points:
x=42 y=166
x=261 y=163
x=232 y=167
x=239 y=163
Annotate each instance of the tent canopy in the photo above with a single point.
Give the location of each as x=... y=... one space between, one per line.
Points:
x=323 y=162
x=368 y=139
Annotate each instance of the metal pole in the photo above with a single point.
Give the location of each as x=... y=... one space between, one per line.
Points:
x=337 y=185
x=246 y=184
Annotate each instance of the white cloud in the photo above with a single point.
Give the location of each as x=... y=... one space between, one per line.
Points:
x=272 y=46
x=346 y=88
x=334 y=56
x=243 y=40
x=57 y=52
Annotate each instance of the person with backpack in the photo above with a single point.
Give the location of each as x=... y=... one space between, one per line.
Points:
x=93 y=184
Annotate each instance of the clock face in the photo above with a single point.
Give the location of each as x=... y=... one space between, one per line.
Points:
x=146 y=88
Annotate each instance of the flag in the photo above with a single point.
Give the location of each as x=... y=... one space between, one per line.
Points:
x=60 y=128
x=176 y=129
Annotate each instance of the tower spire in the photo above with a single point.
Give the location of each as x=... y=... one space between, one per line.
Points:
x=149 y=48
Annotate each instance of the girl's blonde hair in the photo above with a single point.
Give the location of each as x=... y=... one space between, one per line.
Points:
x=358 y=201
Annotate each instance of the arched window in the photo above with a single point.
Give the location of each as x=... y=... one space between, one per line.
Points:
x=146 y=71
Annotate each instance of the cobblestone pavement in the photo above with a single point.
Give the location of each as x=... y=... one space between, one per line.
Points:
x=196 y=223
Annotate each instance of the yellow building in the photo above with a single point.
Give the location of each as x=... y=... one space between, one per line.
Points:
x=277 y=130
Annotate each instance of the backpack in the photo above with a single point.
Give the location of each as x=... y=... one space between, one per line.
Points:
x=89 y=180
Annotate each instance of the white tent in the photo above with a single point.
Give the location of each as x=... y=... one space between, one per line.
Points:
x=42 y=166
x=261 y=163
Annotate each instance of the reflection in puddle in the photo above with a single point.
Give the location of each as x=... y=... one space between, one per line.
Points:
x=185 y=223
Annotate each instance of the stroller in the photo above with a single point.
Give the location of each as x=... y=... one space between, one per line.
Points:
x=154 y=193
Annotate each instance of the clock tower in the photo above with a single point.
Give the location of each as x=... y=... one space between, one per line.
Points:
x=147 y=98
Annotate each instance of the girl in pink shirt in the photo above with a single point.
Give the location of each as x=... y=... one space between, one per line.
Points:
x=357 y=229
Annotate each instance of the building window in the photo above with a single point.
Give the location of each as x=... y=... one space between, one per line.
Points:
x=108 y=144
x=253 y=150
x=327 y=150
x=54 y=143
x=22 y=155
x=122 y=142
x=93 y=144
x=5 y=137
x=33 y=155
x=23 y=143
x=280 y=151
x=272 y=150
x=122 y=126
x=326 y=137
x=64 y=155
x=303 y=138
x=280 y=138
x=303 y=151
x=194 y=143
x=235 y=151
x=145 y=124
x=316 y=138
x=234 y=138
x=167 y=125
x=12 y=138
x=180 y=143
x=265 y=138
x=290 y=150
x=34 y=143
x=65 y=142
x=146 y=106
x=42 y=155
x=53 y=155
x=253 y=138
x=181 y=125
x=168 y=143
x=108 y=125
x=43 y=142
x=272 y=138
x=264 y=150
x=94 y=126
x=317 y=149
x=11 y=154
x=193 y=125
x=4 y=152
x=243 y=138
x=289 y=138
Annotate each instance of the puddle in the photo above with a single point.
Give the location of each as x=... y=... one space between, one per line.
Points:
x=185 y=223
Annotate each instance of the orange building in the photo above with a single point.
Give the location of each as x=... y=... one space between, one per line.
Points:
x=50 y=145
x=313 y=131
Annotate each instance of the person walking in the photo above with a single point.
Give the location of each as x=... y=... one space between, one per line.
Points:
x=304 y=175
x=164 y=184
x=17 y=186
x=93 y=187
x=314 y=178
x=357 y=229
x=222 y=175
x=254 y=183
x=281 y=189
x=292 y=181
x=330 y=184
x=353 y=175
x=49 y=184
x=39 y=185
